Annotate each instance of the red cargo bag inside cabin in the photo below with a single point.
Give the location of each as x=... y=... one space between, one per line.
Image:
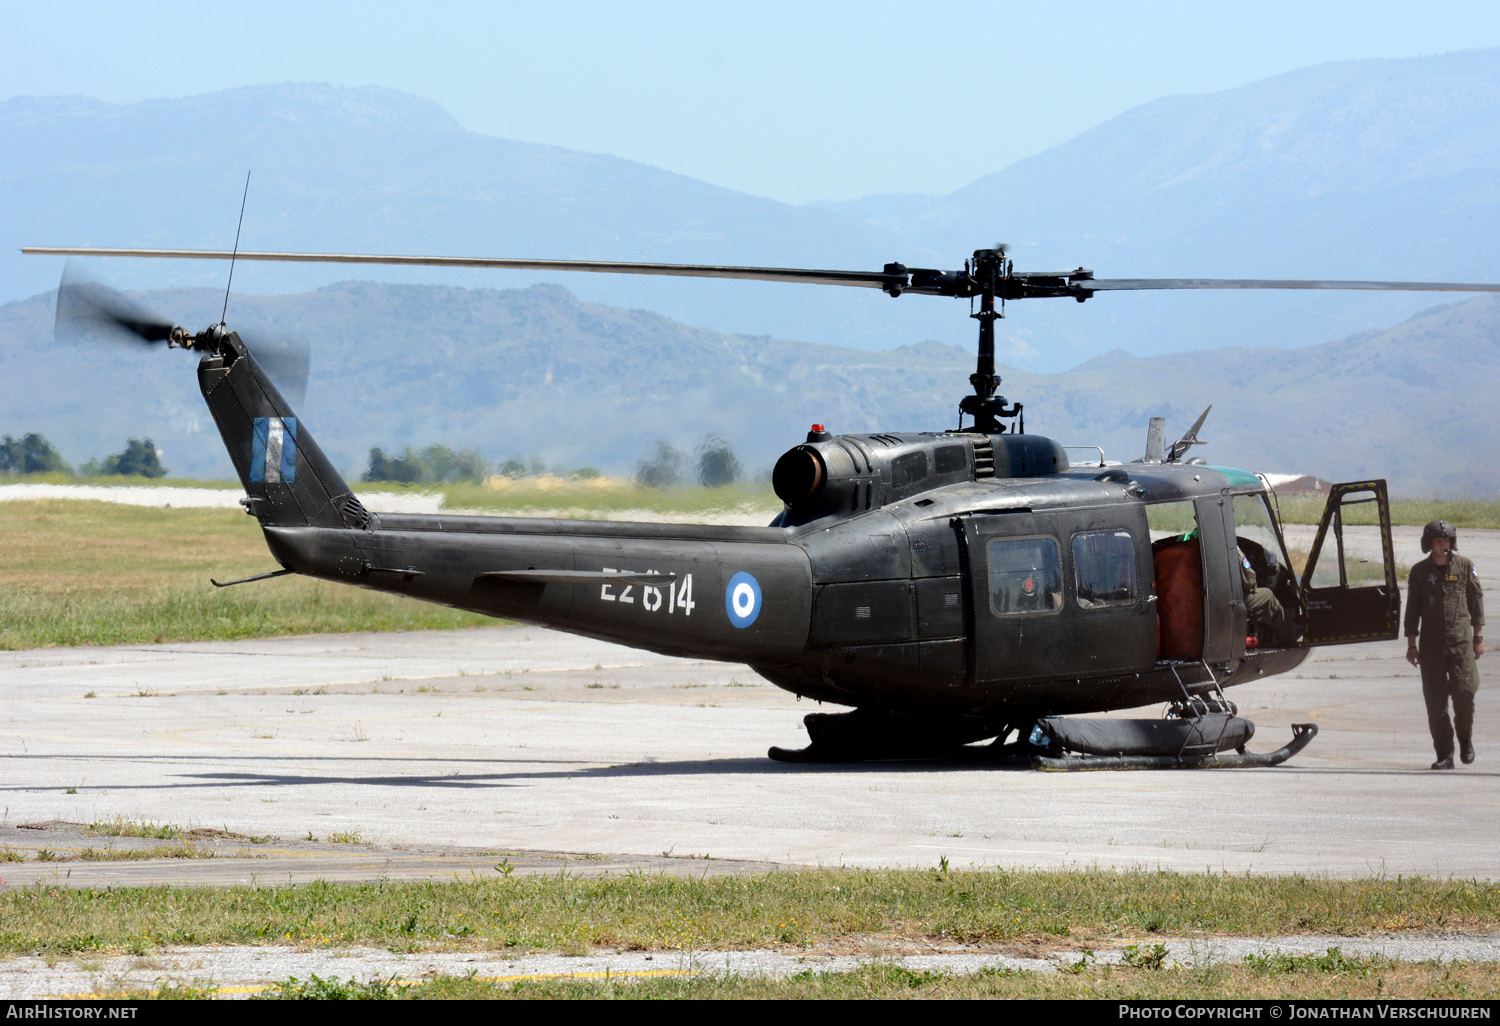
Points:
x=1179 y=598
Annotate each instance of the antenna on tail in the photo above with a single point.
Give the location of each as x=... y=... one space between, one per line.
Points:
x=225 y=312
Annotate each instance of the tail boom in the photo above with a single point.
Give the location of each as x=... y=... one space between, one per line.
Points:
x=738 y=594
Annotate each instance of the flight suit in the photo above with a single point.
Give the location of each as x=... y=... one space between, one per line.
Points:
x=1264 y=608
x=1448 y=604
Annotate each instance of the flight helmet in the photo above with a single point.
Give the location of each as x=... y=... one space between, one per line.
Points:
x=1439 y=529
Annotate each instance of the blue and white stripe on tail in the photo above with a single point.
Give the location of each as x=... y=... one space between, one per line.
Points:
x=273 y=456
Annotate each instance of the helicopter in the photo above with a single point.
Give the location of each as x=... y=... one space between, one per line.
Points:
x=951 y=587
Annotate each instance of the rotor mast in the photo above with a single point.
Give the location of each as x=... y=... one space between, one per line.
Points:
x=988 y=270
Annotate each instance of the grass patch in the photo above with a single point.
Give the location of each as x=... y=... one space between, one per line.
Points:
x=576 y=915
x=1377 y=979
x=1307 y=509
x=116 y=481
x=123 y=828
x=1368 y=979
x=97 y=573
x=316 y=988
x=160 y=851
x=606 y=498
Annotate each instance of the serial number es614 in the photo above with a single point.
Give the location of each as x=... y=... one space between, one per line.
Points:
x=673 y=598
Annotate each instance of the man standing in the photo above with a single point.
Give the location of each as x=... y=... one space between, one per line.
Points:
x=1444 y=597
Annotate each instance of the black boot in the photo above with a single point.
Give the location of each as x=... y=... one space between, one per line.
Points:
x=1466 y=751
x=1444 y=763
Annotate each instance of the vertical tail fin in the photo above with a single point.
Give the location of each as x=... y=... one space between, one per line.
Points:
x=287 y=479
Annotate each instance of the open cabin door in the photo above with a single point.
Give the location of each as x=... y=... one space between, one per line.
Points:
x=1349 y=585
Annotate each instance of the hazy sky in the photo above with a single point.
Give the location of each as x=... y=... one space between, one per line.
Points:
x=796 y=101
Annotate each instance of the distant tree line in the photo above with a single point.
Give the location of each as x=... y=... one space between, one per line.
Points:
x=30 y=454
x=33 y=454
x=436 y=464
x=140 y=459
x=533 y=466
x=714 y=462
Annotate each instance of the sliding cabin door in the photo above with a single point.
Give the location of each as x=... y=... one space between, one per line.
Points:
x=1059 y=595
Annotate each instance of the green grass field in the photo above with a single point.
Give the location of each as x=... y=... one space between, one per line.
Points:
x=834 y=910
x=586 y=498
x=1460 y=513
x=1068 y=909
x=114 y=481
x=98 y=573
x=80 y=572
x=1329 y=976
x=610 y=498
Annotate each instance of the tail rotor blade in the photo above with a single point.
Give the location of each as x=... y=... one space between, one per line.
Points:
x=286 y=360
x=87 y=308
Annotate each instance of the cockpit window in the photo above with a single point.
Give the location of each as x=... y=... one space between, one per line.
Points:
x=1025 y=576
x=1104 y=569
x=1252 y=521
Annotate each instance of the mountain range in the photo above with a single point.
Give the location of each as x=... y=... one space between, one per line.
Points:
x=538 y=371
x=1362 y=169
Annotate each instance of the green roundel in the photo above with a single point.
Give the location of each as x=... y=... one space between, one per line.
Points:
x=1239 y=478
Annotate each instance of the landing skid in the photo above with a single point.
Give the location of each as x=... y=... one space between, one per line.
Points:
x=1198 y=733
x=1302 y=733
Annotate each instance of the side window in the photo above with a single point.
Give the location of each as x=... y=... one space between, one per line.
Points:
x=1171 y=519
x=1104 y=568
x=1025 y=576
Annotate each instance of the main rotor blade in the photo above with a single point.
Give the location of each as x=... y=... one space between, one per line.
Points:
x=894 y=278
x=1137 y=284
x=801 y=275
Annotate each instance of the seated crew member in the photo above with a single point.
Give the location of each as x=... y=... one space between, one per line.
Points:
x=1268 y=619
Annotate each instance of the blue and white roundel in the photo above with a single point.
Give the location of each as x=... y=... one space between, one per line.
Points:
x=742 y=599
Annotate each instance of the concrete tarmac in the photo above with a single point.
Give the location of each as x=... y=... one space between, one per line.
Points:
x=458 y=753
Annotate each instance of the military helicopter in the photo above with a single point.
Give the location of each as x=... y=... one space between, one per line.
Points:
x=952 y=586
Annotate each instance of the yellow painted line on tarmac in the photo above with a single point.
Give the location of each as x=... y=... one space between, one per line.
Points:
x=74 y=739
x=246 y=854
x=608 y=974
x=1326 y=715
